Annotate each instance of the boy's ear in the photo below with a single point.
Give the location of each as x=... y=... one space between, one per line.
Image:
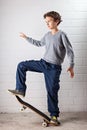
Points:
x=57 y=22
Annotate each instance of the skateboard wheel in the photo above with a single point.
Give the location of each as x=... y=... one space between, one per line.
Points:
x=23 y=108
x=44 y=124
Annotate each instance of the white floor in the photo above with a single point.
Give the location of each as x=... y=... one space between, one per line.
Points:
x=32 y=121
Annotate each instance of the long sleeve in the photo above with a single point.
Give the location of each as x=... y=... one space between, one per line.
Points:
x=69 y=49
x=36 y=42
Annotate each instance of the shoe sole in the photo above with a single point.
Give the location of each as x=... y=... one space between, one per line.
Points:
x=16 y=94
x=54 y=123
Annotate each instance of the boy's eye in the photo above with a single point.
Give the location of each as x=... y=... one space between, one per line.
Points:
x=47 y=22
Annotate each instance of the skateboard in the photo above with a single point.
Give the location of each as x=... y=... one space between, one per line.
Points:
x=46 y=119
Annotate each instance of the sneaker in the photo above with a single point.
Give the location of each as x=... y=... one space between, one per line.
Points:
x=17 y=92
x=54 y=121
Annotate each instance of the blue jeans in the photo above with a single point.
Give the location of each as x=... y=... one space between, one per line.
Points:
x=51 y=73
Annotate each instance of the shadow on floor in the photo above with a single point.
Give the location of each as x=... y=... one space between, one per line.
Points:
x=74 y=117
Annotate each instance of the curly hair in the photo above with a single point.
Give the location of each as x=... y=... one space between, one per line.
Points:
x=55 y=15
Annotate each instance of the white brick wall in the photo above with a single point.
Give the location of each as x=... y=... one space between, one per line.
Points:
x=27 y=16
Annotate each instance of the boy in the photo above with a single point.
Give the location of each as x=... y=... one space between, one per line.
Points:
x=57 y=45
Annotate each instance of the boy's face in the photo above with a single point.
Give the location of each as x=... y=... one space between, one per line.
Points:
x=51 y=23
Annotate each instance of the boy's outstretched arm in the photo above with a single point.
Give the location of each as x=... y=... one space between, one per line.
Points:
x=23 y=35
x=33 y=41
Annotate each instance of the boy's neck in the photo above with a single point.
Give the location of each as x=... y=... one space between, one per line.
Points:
x=53 y=31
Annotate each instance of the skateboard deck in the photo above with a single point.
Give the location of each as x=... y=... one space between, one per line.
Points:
x=46 y=119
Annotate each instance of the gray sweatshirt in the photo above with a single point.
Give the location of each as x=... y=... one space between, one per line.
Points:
x=57 y=46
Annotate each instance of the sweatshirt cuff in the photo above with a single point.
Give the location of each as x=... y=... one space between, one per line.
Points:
x=72 y=65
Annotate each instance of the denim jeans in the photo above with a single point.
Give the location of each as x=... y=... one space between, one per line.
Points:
x=51 y=73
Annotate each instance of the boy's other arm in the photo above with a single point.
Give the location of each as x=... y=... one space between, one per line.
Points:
x=70 y=54
x=71 y=71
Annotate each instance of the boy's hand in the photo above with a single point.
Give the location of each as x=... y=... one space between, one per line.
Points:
x=23 y=35
x=71 y=71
